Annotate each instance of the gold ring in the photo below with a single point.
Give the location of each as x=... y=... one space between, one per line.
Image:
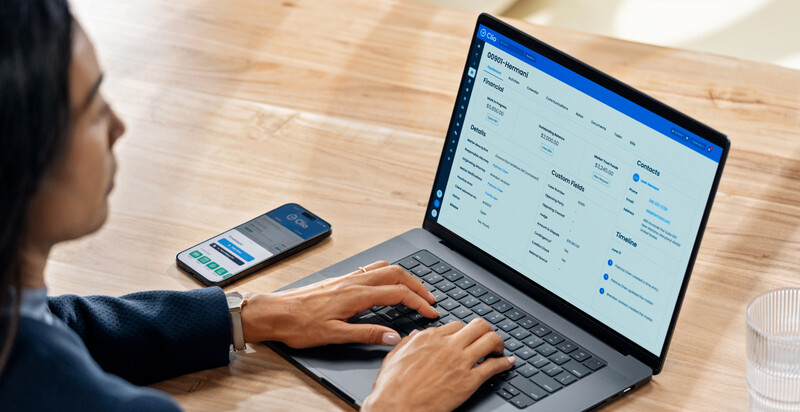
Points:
x=362 y=269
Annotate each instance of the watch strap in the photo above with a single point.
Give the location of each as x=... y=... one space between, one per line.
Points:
x=238 y=333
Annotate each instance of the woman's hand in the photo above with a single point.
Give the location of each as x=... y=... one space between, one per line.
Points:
x=317 y=314
x=434 y=370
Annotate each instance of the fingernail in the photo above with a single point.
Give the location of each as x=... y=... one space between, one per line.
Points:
x=512 y=359
x=390 y=338
x=433 y=298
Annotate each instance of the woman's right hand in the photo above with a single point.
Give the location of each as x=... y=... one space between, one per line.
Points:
x=434 y=370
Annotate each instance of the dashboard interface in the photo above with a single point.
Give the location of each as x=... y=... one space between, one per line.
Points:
x=586 y=193
x=253 y=242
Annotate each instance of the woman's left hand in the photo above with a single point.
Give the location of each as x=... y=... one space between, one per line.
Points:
x=317 y=314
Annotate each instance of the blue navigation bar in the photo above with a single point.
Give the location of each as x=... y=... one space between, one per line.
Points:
x=594 y=90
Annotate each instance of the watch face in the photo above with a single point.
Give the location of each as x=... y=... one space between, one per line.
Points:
x=234 y=299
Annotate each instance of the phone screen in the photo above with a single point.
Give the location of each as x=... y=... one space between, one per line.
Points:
x=251 y=243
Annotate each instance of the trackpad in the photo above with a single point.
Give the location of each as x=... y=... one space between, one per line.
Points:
x=353 y=367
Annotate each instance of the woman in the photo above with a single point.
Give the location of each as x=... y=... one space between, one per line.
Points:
x=89 y=353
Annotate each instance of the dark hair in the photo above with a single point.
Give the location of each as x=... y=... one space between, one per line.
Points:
x=35 y=55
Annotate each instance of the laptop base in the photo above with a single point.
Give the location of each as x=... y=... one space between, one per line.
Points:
x=350 y=370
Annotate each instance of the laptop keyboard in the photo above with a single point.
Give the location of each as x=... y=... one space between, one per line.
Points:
x=547 y=360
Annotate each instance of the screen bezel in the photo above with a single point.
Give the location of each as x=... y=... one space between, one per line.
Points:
x=530 y=287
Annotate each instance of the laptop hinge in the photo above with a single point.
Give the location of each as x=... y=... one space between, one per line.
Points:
x=446 y=244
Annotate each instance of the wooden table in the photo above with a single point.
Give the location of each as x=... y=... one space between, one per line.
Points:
x=237 y=106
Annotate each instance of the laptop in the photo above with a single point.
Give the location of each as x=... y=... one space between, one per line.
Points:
x=567 y=210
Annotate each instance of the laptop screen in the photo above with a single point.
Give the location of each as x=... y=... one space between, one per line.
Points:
x=586 y=193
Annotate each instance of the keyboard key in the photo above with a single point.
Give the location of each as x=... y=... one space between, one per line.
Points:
x=565 y=378
x=448 y=305
x=457 y=293
x=559 y=358
x=533 y=341
x=580 y=355
x=520 y=333
x=426 y=258
x=461 y=312
x=464 y=283
x=439 y=295
x=525 y=353
x=504 y=336
x=445 y=286
x=554 y=338
x=521 y=401
x=539 y=361
x=416 y=316
x=540 y=330
x=478 y=291
x=366 y=317
x=420 y=271
x=528 y=322
x=505 y=394
x=404 y=325
x=566 y=346
x=507 y=375
x=507 y=325
x=546 y=350
x=441 y=268
x=433 y=278
x=546 y=382
x=594 y=364
x=470 y=301
x=408 y=263
x=482 y=309
x=428 y=286
x=494 y=317
x=576 y=368
x=448 y=319
x=527 y=370
x=509 y=388
x=389 y=313
x=514 y=314
x=528 y=388
x=501 y=306
x=489 y=298
x=452 y=275
x=405 y=310
x=552 y=369
x=513 y=344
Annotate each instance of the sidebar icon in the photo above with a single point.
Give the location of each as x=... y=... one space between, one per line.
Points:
x=458 y=125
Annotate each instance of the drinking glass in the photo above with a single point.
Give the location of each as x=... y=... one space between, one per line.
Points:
x=773 y=351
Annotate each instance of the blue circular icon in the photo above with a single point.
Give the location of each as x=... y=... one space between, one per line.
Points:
x=605 y=276
x=434 y=213
x=439 y=193
x=636 y=177
x=602 y=291
x=436 y=203
x=610 y=262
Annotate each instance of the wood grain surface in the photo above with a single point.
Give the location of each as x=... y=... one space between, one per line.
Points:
x=234 y=107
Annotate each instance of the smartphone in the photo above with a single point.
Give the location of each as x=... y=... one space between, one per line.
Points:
x=253 y=245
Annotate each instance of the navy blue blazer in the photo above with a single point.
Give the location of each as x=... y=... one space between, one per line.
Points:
x=90 y=353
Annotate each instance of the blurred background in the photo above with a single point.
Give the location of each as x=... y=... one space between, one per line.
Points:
x=760 y=30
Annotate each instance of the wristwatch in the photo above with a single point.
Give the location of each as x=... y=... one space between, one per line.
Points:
x=235 y=304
